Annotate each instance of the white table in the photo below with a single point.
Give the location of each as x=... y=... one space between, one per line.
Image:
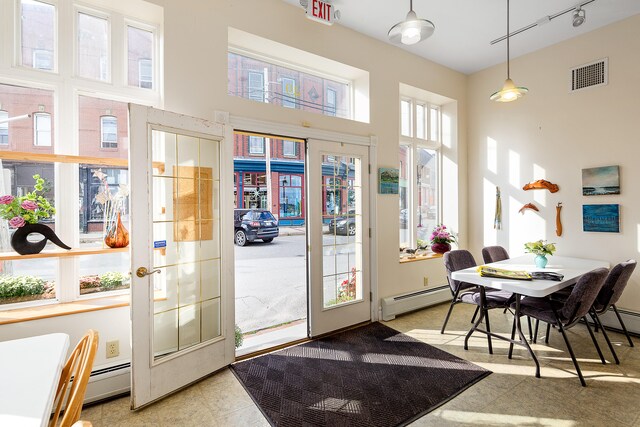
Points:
x=29 y=373
x=570 y=268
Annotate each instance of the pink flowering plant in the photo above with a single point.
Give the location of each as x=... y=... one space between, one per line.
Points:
x=27 y=209
x=440 y=234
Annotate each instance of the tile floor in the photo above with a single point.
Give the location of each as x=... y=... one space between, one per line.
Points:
x=508 y=397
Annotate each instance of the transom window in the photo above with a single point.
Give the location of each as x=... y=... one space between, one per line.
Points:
x=289 y=93
x=37 y=34
x=419 y=159
x=93 y=47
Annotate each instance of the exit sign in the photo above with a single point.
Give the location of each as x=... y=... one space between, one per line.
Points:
x=321 y=11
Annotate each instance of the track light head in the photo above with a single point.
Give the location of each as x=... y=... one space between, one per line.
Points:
x=578 y=17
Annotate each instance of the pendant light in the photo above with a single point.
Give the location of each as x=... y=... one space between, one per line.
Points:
x=412 y=30
x=509 y=92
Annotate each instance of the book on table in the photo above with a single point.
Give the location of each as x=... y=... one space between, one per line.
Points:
x=501 y=273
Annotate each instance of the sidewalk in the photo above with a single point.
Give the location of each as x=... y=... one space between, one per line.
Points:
x=292 y=230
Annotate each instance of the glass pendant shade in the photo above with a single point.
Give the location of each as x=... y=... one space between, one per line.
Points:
x=412 y=30
x=509 y=92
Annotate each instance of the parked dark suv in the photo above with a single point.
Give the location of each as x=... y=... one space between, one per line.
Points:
x=344 y=225
x=252 y=224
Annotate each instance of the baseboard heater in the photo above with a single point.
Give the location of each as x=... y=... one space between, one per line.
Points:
x=108 y=382
x=399 y=304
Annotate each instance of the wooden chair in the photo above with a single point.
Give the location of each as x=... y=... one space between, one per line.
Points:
x=73 y=381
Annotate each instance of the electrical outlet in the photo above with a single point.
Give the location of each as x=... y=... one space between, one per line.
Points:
x=425 y=281
x=113 y=349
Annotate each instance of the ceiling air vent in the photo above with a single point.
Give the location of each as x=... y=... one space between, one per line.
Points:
x=589 y=75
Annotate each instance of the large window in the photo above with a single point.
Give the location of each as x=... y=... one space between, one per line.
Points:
x=286 y=86
x=68 y=129
x=419 y=159
x=290 y=196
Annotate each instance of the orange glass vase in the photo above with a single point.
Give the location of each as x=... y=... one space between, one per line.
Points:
x=116 y=236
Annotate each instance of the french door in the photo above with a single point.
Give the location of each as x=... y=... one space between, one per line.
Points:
x=181 y=298
x=338 y=249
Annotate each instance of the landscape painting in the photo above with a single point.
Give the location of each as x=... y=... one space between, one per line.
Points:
x=601 y=218
x=388 y=180
x=602 y=180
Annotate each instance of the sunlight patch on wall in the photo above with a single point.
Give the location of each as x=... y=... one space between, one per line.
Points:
x=514 y=169
x=490 y=235
x=540 y=197
x=523 y=227
x=492 y=155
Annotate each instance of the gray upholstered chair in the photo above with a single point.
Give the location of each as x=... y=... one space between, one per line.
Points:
x=469 y=293
x=609 y=295
x=564 y=315
x=494 y=254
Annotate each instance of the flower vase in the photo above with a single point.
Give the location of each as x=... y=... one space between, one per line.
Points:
x=116 y=235
x=440 y=248
x=23 y=246
x=541 y=261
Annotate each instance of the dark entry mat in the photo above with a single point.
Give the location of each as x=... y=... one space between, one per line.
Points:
x=369 y=376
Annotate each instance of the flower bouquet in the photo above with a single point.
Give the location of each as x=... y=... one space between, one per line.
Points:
x=541 y=249
x=441 y=239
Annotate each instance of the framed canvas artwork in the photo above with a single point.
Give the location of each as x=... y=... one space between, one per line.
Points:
x=602 y=180
x=388 y=180
x=601 y=218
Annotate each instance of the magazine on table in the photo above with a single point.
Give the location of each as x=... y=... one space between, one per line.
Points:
x=501 y=273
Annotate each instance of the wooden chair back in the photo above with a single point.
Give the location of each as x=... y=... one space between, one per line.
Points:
x=73 y=381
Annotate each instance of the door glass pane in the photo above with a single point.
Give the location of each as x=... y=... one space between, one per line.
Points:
x=342 y=237
x=186 y=241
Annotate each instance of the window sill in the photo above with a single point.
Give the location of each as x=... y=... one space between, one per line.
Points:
x=54 y=310
x=415 y=258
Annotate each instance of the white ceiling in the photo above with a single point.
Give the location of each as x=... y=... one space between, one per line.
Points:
x=464 y=28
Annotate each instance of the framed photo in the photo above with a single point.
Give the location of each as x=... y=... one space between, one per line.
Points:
x=601 y=218
x=602 y=180
x=388 y=180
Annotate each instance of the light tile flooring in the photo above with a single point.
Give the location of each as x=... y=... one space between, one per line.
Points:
x=508 y=397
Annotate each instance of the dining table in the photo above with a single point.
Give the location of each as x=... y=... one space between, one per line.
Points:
x=30 y=370
x=570 y=268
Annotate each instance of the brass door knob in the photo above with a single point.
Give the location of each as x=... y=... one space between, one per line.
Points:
x=142 y=271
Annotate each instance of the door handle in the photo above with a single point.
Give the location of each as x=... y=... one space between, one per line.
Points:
x=142 y=271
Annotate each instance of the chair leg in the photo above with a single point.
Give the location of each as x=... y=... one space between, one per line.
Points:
x=530 y=330
x=624 y=328
x=535 y=332
x=606 y=338
x=573 y=356
x=546 y=338
x=513 y=336
x=505 y=310
x=595 y=342
x=486 y=316
x=475 y=313
x=453 y=302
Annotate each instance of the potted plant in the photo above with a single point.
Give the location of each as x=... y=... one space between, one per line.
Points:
x=24 y=214
x=441 y=239
x=541 y=249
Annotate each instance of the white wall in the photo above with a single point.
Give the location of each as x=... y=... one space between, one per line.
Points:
x=195 y=56
x=552 y=134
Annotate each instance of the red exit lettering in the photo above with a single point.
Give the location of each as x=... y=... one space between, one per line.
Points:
x=321 y=10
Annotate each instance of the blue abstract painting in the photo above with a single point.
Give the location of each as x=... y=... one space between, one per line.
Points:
x=601 y=218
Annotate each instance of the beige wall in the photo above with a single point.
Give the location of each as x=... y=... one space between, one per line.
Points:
x=196 y=84
x=553 y=134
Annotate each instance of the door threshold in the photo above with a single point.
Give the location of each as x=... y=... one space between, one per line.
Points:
x=266 y=342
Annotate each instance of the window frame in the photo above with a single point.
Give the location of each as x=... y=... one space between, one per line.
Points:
x=106 y=69
x=18 y=39
x=110 y=144
x=155 y=55
x=413 y=145
x=4 y=115
x=36 y=133
x=331 y=109
x=255 y=139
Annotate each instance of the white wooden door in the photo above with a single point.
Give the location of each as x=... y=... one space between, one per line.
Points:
x=338 y=194
x=182 y=309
